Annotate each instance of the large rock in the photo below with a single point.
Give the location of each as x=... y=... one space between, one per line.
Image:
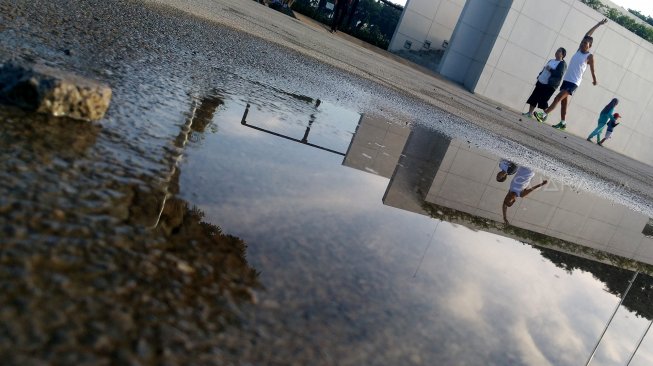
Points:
x=47 y=90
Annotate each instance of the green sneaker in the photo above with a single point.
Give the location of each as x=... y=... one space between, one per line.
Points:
x=540 y=116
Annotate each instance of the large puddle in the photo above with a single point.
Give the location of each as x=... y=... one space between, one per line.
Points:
x=378 y=243
x=223 y=214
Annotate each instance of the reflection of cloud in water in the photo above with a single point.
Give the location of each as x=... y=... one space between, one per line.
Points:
x=529 y=350
x=466 y=303
x=496 y=301
x=272 y=121
x=302 y=204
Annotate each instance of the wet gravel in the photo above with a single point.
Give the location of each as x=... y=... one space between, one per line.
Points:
x=85 y=278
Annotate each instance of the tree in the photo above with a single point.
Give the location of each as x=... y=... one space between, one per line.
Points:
x=594 y=4
x=373 y=21
x=625 y=21
x=641 y=16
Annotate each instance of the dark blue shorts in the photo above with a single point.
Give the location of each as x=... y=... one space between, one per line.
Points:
x=568 y=86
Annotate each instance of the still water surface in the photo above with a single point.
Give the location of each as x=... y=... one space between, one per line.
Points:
x=348 y=279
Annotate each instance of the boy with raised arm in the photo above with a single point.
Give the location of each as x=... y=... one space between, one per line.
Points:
x=574 y=75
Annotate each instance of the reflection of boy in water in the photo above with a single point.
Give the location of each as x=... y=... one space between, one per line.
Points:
x=518 y=188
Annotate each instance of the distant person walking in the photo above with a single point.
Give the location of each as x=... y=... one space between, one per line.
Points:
x=519 y=188
x=612 y=123
x=547 y=82
x=339 y=12
x=574 y=75
x=607 y=113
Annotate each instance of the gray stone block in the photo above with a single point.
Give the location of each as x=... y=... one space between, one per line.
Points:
x=48 y=90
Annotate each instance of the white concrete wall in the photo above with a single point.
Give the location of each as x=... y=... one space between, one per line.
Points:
x=426 y=20
x=376 y=146
x=466 y=181
x=529 y=36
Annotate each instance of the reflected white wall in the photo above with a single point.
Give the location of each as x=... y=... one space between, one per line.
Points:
x=376 y=145
x=466 y=181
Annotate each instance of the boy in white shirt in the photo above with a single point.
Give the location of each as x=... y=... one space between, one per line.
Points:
x=574 y=75
x=518 y=188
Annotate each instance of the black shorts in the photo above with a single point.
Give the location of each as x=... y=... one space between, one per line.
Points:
x=568 y=86
x=541 y=95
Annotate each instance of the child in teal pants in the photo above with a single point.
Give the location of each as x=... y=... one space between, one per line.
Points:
x=606 y=114
x=611 y=125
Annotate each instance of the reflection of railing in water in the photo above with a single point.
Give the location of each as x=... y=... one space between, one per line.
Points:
x=639 y=343
x=303 y=140
x=607 y=325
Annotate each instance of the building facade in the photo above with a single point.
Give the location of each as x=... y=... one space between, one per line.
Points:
x=498 y=47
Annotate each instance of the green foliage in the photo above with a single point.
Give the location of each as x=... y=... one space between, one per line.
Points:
x=594 y=4
x=306 y=7
x=641 y=16
x=625 y=21
x=373 y=21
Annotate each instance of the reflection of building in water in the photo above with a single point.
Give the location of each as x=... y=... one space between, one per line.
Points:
x=466 y=182
x=436 y=174
x=376 y=146
x=204 y=112
x=417 y=167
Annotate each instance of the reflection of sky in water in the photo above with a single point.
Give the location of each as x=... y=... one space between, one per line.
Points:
x=329 y=127
x=328 y=248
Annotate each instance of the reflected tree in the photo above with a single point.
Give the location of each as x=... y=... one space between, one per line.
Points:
x=166 y=295
x=557 y=251
x=640 y=296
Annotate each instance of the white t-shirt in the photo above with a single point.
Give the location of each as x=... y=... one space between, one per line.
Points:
x=546 y=74
x=577 y=67
x=522 y=179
